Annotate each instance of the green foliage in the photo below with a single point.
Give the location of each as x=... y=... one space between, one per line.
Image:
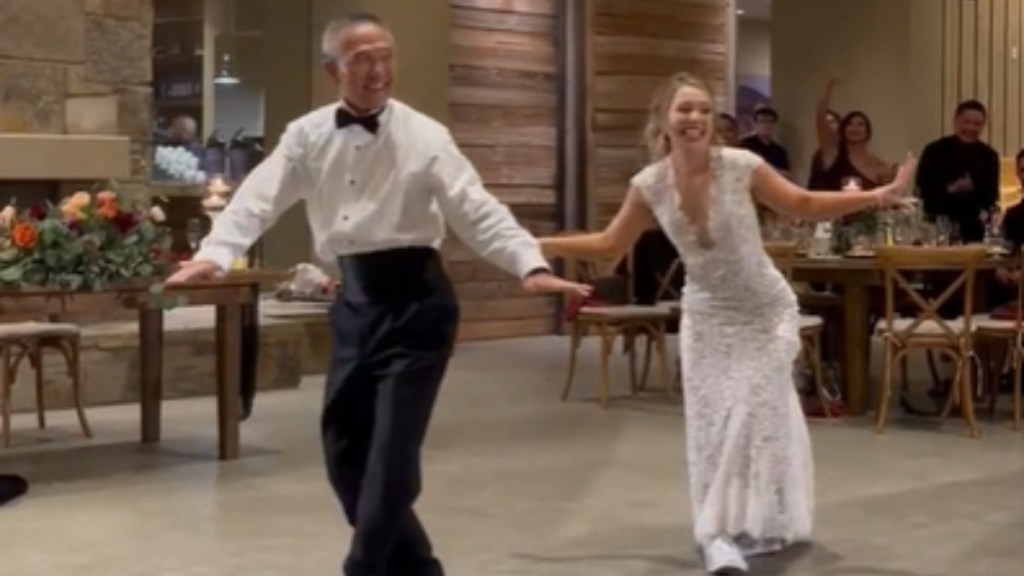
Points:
x=88 y=242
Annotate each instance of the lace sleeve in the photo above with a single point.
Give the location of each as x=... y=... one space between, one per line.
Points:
x=741 y=164
x=647 y=180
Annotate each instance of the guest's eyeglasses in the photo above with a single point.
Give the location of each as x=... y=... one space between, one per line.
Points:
x=364 y=62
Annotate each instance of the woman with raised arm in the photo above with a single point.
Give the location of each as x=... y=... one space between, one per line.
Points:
x=749 y=454
x=843 y=154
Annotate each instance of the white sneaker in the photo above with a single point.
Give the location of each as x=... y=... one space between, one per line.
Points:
x=723 y=558
x=750 y=547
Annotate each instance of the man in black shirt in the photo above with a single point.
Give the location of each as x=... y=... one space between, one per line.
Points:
x=958 y=175
x=762 y=141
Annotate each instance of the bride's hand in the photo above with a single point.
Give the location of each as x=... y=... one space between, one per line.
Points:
x=896 y=191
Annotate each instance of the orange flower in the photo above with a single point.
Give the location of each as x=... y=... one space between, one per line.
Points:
x=104 y=196
x=25 y=235
x=107 y=210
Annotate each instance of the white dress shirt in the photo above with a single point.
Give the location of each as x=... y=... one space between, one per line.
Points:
x=366 y=193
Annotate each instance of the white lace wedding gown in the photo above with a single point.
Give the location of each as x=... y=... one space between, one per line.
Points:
x=749 y=454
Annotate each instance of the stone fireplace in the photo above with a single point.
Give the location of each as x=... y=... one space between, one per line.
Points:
x=75 y=96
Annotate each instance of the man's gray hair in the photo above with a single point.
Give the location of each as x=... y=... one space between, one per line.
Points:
x=336 y=27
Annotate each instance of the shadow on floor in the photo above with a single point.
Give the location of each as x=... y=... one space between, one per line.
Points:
x=89 y=462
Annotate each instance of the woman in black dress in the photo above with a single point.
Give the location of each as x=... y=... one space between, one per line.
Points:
x=817 y=177
x=844 y=154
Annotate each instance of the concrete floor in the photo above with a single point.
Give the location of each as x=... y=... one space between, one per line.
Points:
x=517 y=484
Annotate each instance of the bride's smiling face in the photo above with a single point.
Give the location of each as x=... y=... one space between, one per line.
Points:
x=691 y=119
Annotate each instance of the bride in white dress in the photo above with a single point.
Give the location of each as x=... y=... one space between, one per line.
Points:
x=749 y=454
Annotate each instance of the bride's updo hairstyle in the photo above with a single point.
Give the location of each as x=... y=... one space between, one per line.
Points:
x=656 y=131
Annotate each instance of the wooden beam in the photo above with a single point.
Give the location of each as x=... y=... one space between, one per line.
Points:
x=573 y=112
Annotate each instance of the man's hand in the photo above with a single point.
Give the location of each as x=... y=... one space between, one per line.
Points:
x=962 y=185
x=1007 y=277
x=194 y=271
x=545 y=282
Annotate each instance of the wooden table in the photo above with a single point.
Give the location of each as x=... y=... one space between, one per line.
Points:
x=857 y=277
x=235 y=297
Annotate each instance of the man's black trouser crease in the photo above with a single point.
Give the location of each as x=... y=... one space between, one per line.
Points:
x=394 y=327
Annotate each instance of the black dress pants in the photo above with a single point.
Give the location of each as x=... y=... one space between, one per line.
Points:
x=394 y=326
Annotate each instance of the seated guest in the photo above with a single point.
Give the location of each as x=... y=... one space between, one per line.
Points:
x=1013 y=233
x=728 y=129
x=958 y=175
x=843 y=152
x=183 y=132
x=762 y=141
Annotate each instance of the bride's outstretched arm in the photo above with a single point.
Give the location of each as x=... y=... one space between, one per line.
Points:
x=633 y=218
x=784 y=197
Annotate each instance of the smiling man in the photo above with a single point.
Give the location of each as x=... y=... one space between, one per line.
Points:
x=380 y=181
x=959 y=174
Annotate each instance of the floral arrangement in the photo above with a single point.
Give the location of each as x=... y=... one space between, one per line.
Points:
x=89 y=241
x=873 y=221
x=867 y=222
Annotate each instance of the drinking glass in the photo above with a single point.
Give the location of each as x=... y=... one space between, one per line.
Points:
x=943 y=231
x=993 y=235
x=927 y=234
x=803 y=233
x=194 y=233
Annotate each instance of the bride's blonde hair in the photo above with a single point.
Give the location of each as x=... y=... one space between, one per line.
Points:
x=656 y=131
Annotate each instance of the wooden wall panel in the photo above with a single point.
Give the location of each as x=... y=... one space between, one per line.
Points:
x=503 y=90
x=635 y=45
x=981 y=58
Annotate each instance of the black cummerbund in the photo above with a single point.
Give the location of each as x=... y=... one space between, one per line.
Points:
x=394 y=276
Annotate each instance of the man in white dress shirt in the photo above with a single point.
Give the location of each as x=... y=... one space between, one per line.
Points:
x=379 y=180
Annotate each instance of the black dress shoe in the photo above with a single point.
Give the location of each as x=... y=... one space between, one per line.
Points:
x=11 y=487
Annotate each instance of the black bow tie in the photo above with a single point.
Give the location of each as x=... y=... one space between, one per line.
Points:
x=343 y=118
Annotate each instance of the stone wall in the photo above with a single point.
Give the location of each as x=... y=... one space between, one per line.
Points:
x=79 y=67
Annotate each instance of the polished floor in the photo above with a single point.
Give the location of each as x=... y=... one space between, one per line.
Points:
x=518 y=484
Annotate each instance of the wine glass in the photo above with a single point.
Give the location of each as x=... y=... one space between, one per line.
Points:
x=194 y=233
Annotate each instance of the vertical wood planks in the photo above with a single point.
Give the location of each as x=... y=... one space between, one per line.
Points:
x=981 y=58
x=635 y=46
x=504 y=89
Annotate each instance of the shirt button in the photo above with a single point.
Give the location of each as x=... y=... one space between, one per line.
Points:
x=352 y=182
x=345 y=218
x=358 y=147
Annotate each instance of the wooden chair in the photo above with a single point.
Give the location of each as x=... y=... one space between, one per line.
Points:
x=927 y=330
x=27 y=341
x=669 y=297
x=1011 y=333
x=811 y=326
x=666 y=291
x=610 y=321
